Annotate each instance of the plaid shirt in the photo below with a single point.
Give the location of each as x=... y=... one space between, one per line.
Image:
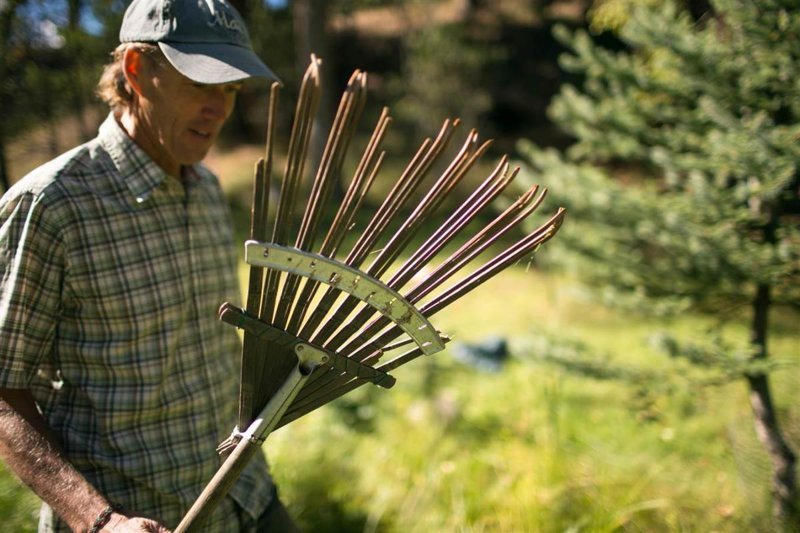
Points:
x=112 y=274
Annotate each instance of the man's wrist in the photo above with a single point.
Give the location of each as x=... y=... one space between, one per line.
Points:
x=115 y=522
x=104 y=517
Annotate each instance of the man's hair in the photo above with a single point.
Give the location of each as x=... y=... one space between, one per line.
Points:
x=113 y=88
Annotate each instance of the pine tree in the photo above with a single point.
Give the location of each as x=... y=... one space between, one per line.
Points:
x=706 y=112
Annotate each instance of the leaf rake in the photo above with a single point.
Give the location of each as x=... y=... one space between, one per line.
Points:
x=316 y=326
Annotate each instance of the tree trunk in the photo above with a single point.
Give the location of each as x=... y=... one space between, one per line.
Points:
x=5 y=180
x=784 y=488
x=310 y=35
x=7 y=14
x=76 y=79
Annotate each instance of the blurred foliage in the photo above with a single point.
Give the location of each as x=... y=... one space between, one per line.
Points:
x=682 y=183
x=442 y=77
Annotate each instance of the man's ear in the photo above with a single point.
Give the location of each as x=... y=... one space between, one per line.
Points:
x=132 y=69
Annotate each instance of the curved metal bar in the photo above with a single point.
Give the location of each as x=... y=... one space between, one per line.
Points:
x=367 y=289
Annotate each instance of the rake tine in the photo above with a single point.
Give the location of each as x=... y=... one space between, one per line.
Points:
x=463 y=215
x=360 y=184
x=398 y=196
x=392 y=206
x=345 y=214
x=509 y=256
x=338 y=142
x=305 y=403
x=512 y=255
x=480 y=241
x=298 y=145
x=364 y=344
x=329 y=170
x=487 y=191
x=447 y=181
x=503 y=223
x=252 y=363
x=258 y=215
x=275 y=368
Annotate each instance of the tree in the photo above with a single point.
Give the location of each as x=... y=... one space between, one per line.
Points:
x=7 y=59
x=706 y=112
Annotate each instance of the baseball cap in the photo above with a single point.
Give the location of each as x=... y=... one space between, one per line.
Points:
x=205 y=40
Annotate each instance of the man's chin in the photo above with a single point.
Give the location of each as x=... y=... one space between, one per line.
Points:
x=195 y=156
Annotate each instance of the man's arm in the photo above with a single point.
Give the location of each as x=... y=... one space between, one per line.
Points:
x=29 y=447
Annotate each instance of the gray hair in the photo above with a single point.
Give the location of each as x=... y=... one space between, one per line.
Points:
x=113 y=88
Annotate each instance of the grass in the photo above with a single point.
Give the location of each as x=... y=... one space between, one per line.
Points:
x=531 y=448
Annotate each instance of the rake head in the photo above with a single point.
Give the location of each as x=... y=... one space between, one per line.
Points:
x=304 y=288
x=321 y=320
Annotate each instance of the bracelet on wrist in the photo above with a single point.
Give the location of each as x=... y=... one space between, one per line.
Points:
x=103 y=518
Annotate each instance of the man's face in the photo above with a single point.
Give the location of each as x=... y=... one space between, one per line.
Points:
x=177 y=120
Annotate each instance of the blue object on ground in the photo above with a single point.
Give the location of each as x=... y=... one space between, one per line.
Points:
x=487 y=355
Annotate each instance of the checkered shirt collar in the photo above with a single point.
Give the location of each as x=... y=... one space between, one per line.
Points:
x=136 y=169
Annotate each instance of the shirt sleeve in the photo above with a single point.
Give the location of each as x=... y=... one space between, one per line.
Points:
x=32 y=269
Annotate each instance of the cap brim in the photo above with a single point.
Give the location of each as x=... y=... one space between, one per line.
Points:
x=215 y=62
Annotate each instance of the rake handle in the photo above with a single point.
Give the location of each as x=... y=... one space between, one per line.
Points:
x=218 y=487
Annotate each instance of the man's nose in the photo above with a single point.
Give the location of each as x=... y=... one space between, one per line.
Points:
x=216 y=104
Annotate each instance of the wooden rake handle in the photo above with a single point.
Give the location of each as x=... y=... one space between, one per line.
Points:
x=250 y=441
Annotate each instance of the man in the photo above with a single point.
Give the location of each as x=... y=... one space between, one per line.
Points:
x=116 y=379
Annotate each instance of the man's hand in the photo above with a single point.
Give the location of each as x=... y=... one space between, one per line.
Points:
x=120 y=523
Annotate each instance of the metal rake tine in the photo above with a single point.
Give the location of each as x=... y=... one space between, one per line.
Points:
x=466 y=212
x=372 y=350
x=507 y=220
x=409 y=181
x=252 y=363
x=301 y=130
x=457 y=169
x=258 y=214
x=336 y=144
x=329 y=169
x=490 y=269
x=483 y=274
x=364 y=343
x=502 y=224
x=360 y=184
x=298 y=145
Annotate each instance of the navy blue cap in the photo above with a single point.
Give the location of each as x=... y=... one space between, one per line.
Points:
x=205 y=40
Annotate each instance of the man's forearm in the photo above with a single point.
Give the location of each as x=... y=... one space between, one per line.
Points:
x=28 y=447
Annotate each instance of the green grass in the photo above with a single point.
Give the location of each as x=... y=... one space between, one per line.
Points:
x=533 y=448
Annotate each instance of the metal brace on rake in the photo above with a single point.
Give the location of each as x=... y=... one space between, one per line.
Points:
x=317 y=325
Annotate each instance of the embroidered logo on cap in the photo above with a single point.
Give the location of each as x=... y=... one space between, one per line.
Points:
x=223 y=18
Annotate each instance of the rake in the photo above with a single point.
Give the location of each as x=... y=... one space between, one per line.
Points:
x=318 y=325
